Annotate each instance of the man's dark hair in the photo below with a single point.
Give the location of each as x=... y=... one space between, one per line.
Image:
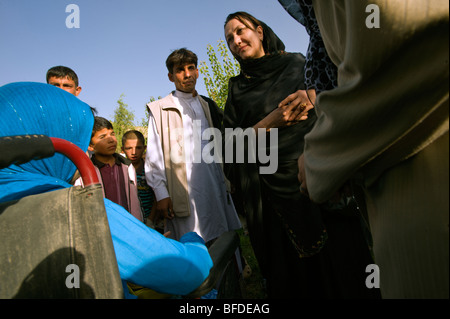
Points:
x=132 y=135
x=180 y=57
x=62 y=72
x=99 y=124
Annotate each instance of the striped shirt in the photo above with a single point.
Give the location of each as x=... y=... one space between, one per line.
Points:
x=146 y=195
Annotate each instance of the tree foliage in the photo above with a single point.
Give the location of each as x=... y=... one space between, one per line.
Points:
x=222 y=67
x=144 y=120
x=123 y=120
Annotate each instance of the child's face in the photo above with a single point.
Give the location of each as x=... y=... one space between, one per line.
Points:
x=134 y=150
x=103 y=142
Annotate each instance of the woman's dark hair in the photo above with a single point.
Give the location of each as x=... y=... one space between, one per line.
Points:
x=270 y=41
x=245 y=18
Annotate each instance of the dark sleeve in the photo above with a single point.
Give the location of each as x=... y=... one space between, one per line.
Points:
x=320 y=72
x=216 y=112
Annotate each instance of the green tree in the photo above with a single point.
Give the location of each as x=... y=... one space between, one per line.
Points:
x=222 y=67
x=144 y=120
x=123 y=120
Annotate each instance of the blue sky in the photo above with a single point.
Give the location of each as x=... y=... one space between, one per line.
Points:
x=121 y=46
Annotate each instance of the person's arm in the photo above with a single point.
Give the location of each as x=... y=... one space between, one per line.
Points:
x=290 y=111
x=147 y=258
x=320 y=72
x=378 y=83
x=155 y=173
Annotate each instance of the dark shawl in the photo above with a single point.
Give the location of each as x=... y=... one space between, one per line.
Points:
x=262 y=84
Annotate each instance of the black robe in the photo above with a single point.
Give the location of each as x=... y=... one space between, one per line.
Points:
x=288 y=232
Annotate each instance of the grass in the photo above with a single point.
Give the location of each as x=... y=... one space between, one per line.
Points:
x=253 y=285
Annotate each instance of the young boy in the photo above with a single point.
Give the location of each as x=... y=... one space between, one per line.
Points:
x=116 y=174
x=133 y=146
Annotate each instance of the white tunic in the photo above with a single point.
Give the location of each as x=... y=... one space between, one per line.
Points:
x=212 y=209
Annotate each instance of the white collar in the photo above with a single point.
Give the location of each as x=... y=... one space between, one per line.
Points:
x=184 y=95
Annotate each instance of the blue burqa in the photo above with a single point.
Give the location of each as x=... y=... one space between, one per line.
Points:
x=144 y=256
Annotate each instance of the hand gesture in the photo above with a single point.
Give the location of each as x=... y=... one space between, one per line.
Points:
x=164 y=209
x=297 y=105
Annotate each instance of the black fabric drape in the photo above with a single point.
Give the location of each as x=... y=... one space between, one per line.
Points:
x=298 y=255
x=268 y=198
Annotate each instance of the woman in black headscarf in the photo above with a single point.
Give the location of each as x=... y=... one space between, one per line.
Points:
x=294 y=245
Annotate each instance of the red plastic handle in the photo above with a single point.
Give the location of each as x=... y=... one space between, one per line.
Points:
x=79 y=158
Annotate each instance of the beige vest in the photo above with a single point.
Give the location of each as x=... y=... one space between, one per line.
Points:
x=169 y=126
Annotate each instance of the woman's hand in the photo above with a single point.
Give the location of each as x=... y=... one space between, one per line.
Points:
x=297 y=105
x=277 y=118
x=290 y=111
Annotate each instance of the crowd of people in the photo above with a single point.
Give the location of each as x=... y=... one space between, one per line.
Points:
x=362 y=146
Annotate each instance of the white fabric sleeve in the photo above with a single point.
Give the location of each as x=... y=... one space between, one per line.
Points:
x=155 y=172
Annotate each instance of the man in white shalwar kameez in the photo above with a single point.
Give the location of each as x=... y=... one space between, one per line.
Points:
x=190 y=187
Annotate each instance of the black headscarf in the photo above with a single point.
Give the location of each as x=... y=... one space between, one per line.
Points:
x=262 y=84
